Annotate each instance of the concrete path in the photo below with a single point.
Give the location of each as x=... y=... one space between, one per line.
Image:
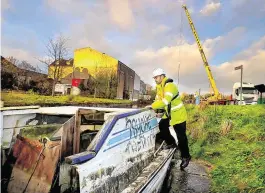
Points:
x=194 y=179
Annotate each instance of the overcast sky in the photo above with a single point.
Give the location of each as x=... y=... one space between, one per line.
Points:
x=145 y=34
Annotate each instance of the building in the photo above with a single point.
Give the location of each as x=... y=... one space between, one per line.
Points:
x=148 y=89
x=142 y=92
x=106 y=76
x=114 y=79
x=142 y=88
x=136 y=87
x=61 y=70
x=125 y=77
x=62 y=89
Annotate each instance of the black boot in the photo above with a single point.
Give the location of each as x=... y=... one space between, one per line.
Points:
x=185 y=162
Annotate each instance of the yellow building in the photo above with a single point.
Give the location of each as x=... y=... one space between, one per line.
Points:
x=113 y=77
x=62 y=70
x=106 y=75
x=94 y=61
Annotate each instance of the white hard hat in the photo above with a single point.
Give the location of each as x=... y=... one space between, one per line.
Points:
x=158 y=72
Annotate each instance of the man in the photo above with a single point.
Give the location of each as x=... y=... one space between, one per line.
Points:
x=168 y=100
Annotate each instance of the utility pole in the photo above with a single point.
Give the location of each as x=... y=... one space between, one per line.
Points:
x=240 y=68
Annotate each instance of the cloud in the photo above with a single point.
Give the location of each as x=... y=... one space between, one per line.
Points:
x=88 y=34
x=192 y=72
x=160 y=29
x=149 y=46
x=253 y=71
x=226 y=42
x=145 y=34
x=19 y=54
x=210 y=8
x=169 y=58
x=25 y=55
x=245 y=12
x=22 y=54
x=252 y=50
x=239 y=4
x=187 y=54
x=191 y=10
x=117 y=12
x=121 y=13
x=72 y=8
x=5 y=4
x=92 y=22
x=28 y=48
x=102 y=24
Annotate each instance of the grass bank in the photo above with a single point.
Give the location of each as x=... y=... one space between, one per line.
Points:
x=23 y=99
x=231 y=139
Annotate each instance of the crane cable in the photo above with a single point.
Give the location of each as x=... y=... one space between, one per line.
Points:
x=180 y=39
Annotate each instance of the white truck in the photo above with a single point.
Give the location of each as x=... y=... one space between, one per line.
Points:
x=249 y=93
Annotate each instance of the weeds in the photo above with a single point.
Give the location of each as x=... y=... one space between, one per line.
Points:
x=231 y=138
x=226 y=127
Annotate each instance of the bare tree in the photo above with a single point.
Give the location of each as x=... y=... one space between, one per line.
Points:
x=57 y=51
x=26 y=66
x=105 y=81
x=99 y=81
x=23 y=64
x=38 y=69
x=13 y=60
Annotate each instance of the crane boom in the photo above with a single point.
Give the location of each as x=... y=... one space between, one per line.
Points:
x=206 y=65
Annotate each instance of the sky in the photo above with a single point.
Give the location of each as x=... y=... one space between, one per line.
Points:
x=146 y=34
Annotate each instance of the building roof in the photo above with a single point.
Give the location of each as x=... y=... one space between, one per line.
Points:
x=7 y=66
x=63 y=62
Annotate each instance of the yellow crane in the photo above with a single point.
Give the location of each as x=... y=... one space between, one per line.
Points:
x=217 y=94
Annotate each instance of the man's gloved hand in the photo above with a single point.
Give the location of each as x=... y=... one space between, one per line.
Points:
x=159 y=115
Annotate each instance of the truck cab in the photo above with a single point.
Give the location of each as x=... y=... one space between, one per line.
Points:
x=249 y=93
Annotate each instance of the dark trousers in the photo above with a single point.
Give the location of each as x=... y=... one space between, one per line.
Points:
x=180 y=130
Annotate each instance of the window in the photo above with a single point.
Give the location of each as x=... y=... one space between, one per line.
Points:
x=247 y=90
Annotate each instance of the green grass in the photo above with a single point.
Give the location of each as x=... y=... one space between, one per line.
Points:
x=237 y=153
x=22 y=99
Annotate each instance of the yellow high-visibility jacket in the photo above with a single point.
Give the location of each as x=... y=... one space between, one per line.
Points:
x=167 y=97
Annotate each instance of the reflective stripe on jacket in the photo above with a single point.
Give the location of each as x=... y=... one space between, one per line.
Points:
x=165 y=94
